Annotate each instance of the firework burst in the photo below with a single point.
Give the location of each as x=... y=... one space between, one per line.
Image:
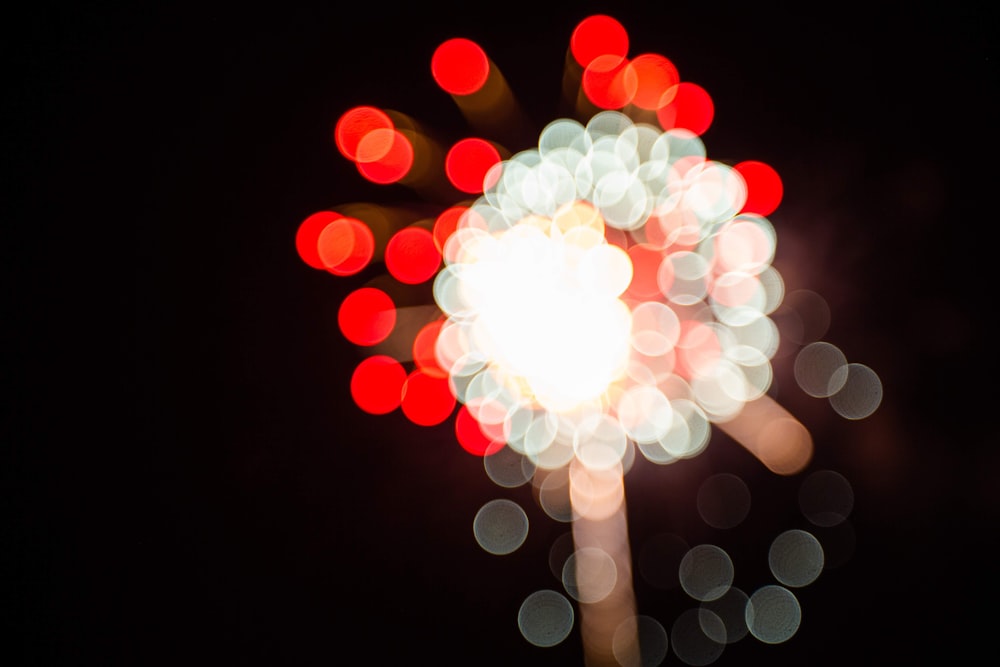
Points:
x=603 y=294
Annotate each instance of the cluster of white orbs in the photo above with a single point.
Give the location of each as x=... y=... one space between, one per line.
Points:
x=549 y=340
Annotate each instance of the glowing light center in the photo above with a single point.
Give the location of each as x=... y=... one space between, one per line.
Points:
x=546 y=310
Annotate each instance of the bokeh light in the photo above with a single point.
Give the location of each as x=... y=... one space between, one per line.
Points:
x=773 y=614
x=688 y=106
x=366 y=316
x=730 y=608
x=706 y=572
x=377 y=384
x=384 y=156
x=468 y=164
x=411 y=256
x=500 y=527
x=345 y=246
x=355 y=124
x=691 y=643
x=861 y=394
x=723 y=500
x=795 y=558
x=307 y=237
x=653 y=641
x=545 y=618
x=460 y=66
x=764 y=187
x=598 y=35
x=826 y=498
x=593 y=566
x=427 y=400
x=655 y=75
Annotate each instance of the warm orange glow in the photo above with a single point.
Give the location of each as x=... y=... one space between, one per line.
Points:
x=655 y=74
x=603 y=527
x=773 y=435
x=595 y=494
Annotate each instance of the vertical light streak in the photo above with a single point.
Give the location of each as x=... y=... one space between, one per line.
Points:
x=598 y=501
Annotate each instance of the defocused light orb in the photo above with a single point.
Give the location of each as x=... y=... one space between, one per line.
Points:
x=608 y=82
x=826 y=498
x=460 y=66
x=723 y=500
x=384 y=156
x=468 y=162
x=764 y=187
x=425 y=349
x=690 y=643
x=861 y=394
x=377 y=384
x=507 y=467
x=411 y=256
x=731 y=610
x=598 y=35
x=689 y=108
x=655 y=74
x=427 y=400
x=653 y=641
x=773 y=614
x=545 y=618
x=366 y=316
x=820 y=369
x=500 y=527
x=346 y=246
x=354 y=124
x=589 y=574
x=554 y=497
x=795 y=558
x=307 y=237
x=706 y=572
x=446 y=224
x=470 y=436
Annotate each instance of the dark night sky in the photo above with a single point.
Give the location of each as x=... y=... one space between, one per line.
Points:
x=187 y=479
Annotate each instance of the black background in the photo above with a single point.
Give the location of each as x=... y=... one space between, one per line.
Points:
x=187 y=479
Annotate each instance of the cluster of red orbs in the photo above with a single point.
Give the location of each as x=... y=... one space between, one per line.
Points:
x=649 y=81
x=384 y=154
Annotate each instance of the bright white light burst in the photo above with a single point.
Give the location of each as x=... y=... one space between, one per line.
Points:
x=550 y=338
